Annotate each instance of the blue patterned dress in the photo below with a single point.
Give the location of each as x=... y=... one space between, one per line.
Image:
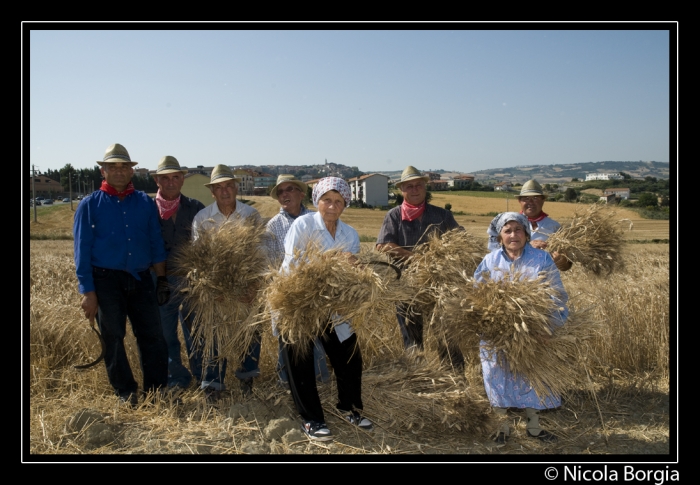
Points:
x=503 y=388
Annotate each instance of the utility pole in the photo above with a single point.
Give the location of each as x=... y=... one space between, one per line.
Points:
x=70 y=189
x=33 y=192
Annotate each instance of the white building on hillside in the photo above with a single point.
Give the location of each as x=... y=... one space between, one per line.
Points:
x=603 y=176
x=371 y=189
x=502 y=186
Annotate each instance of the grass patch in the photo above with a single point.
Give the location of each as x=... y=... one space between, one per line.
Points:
x=365 y=238
x=479 y=193
x=654 y=214
x=51 y=237
x=647 y=241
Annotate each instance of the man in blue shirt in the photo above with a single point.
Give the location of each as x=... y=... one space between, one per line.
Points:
x=117 y=238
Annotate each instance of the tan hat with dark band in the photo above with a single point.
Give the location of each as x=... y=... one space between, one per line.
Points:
x=411 y=173
x=531 y=187
x=116 y=154
x=222 y=173
x=169 y=164
x=283 y=178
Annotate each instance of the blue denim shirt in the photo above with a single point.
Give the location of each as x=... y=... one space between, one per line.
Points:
x=109 y=233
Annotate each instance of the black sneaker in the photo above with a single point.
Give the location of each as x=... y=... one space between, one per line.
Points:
x=316 y=431
x=362 y=423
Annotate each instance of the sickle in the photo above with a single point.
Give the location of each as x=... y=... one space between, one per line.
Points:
x=102 y=353
x=392 y=266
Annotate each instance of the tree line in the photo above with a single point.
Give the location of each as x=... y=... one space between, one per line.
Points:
x=91 y=177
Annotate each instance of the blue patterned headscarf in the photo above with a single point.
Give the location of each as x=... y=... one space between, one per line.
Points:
x=504 y=218
x=331 y=183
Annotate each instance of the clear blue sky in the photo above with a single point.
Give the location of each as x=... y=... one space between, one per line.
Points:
x=462 y=100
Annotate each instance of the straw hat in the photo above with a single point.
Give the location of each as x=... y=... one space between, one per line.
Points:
x=116 y=153
x=531 y=187
x=283 y=178
x=222 y=173
x=411 y=173
x=169 y=164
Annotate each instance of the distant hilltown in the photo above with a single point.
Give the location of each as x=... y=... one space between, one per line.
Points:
x=544 y=173
x=256 y=180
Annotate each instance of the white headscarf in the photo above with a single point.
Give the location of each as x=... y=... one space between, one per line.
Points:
x=504 y=218
x=331 y=183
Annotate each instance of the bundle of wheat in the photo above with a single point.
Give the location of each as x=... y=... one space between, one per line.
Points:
x=441 y=260
x=323 y=287
x=419 y=394
x=518 y=318
x=593 y=239
x=221 y=273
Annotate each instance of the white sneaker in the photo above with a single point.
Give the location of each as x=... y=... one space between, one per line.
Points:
x=316 y=431
x=362 y=423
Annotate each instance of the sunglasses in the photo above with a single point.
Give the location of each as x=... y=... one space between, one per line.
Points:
x=288 y=189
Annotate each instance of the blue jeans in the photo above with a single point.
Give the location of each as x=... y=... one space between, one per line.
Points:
x=120 y=295
x=213 y=371
x=170 y=315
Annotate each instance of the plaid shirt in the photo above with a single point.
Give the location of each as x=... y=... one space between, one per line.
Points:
x=277 y=227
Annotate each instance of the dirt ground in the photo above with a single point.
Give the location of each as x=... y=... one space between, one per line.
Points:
x=421 y=411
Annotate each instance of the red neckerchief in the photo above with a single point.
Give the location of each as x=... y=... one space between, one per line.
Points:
x=105 y=187
x=538 y=218
x=166 y=208
x=411 y=212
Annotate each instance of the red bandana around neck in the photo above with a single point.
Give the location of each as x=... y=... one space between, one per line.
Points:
x=542 y=215
x=105 y=187
x=411 y=212
x=166 y=208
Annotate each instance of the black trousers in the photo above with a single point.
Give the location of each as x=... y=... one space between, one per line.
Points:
x=411 y=326
x=346 y=361
x=120 y=295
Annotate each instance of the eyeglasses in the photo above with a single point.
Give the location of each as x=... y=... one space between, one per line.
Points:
x=291 y=188
x=530 y=199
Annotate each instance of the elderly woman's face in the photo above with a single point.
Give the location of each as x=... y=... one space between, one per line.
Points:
x=513 y=236
x=331 y=205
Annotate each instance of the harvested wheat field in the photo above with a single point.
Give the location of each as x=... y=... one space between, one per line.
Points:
x=618 y=404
